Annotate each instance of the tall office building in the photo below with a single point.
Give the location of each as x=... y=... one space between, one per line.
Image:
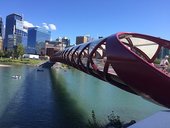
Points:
x=1 y=27
x=1 y=34
x=14 y=31
x=36 y=39
x=81 y=39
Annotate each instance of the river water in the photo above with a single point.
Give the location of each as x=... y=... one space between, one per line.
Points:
x=61 y=98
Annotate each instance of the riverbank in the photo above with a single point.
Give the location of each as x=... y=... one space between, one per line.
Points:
x=5 y=65
x=9 y=61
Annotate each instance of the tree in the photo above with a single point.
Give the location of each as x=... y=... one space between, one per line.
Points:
x=8 y=53
x=1 y=53
x=19 y=51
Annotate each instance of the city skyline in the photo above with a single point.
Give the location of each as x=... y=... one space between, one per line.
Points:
x=95 y=18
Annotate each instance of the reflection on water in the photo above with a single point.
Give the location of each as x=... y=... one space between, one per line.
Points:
x=93 y=94
x=62 y=98
x=8 y=86
x=33 y=102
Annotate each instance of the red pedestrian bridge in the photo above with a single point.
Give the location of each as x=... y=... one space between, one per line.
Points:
x=128 y=61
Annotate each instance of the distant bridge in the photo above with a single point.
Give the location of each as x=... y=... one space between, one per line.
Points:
x=126 y=60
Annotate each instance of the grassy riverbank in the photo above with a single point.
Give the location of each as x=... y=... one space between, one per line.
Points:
x=19 y=61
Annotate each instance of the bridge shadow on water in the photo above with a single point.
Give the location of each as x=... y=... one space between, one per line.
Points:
x=71 y=116
x=42 y=102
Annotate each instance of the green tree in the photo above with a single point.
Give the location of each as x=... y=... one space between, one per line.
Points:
x=1 y=53
x=8 y=53
x=19 y=51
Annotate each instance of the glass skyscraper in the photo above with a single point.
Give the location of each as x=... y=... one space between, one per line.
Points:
x=14 y=31
x=36 y=39
x=1 y=27
x=1 y=33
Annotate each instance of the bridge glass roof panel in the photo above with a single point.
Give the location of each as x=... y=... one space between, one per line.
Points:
x=75 y=54
x=94 y=44
x=69 y=54
x=81 y=53
x=84 y=56
x=143 y=46
x=65 y=53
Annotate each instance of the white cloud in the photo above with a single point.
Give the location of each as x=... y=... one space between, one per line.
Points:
x=52 y=27
x=44 y=25
x=27 y=24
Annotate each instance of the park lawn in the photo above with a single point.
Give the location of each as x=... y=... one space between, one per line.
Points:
x=19 y=61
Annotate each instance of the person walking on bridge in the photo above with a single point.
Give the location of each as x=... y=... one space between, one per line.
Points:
x=164 y=63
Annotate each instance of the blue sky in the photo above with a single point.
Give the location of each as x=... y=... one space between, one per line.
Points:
x=94 y=17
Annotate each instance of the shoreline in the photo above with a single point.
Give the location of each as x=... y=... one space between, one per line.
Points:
x=7 y=62
x=5 y=65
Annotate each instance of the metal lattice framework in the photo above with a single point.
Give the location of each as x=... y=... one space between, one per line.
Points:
x=126 y=60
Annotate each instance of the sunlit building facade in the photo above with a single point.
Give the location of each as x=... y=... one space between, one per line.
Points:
x=1 y=34
x=53 y=46
x=81 y=39
x=14 y=31
x=1 y=27
x=36 y=39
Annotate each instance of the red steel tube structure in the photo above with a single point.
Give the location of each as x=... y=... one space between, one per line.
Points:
x=127 y=61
